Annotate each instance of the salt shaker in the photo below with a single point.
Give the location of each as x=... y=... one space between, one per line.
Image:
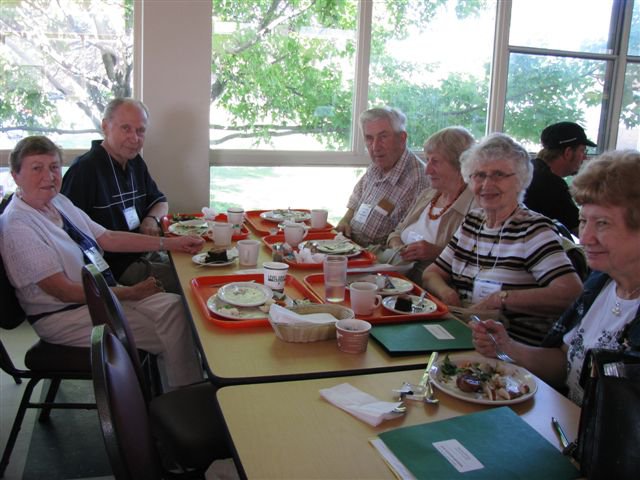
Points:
x=278 y=255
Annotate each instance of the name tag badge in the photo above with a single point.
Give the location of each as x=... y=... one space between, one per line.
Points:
x=363 y=213
x=414 y=237
x=96 y=258
x=483 y=288
x=131 y=216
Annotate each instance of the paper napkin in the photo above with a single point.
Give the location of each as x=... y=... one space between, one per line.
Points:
x=209 y=213
x=283 y=315
x=360 y=404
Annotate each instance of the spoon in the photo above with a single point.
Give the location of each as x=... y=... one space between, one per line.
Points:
x=419 y=305
x=429 y=396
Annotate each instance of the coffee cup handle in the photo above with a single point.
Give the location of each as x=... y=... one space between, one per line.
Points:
x=378 y=301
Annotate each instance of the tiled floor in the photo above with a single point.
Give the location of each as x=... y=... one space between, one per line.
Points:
x=16 y=341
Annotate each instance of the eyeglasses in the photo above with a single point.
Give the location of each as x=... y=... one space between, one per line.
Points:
x=496 y=176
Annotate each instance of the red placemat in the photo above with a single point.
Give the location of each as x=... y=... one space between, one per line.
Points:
x=362 y=260
x=222 y=217
x=263 y=227
x=381 y=315
x=204 y=287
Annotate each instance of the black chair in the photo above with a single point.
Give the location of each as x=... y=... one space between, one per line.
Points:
x=105 y=309
x=573 y=251
x=184 y=422
x=43 y=361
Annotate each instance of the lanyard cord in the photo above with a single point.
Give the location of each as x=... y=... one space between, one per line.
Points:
x=477 y=246
x=118 y=183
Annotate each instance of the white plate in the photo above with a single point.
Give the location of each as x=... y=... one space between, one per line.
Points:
x=281 y=215
x=336 y=247
x=245 y=294
x=200 y=260
x=399 y=285
x=390 y=302
x=231 y=312
x=515 y=373
x=189 y=227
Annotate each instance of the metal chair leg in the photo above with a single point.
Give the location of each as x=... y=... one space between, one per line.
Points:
x=51 y=396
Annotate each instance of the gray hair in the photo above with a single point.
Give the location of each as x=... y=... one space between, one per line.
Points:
x=451 y=142
x=397 y=119
x=114 y=104
x=34 y=145
x=499 y=146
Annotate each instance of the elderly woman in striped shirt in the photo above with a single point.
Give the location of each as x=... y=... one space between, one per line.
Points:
x=505 y=256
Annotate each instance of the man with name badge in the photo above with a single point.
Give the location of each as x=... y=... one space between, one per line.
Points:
x=389 y=187
x=112 y=184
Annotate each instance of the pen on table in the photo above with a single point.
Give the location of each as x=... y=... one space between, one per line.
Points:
x=559 y=430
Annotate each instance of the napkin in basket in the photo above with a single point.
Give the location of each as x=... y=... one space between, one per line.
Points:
x=283 y=315
x=360 y=404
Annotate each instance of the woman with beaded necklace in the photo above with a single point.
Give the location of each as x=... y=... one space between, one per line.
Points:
x=505 y=256
x=440 y=209
x=607 y=314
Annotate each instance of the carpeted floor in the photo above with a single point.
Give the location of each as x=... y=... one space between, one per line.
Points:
x=70 y=444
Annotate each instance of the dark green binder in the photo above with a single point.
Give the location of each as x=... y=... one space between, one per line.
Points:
x=413 y=338
x=505 y=445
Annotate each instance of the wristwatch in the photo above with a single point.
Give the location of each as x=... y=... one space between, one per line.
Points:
x=503 y=294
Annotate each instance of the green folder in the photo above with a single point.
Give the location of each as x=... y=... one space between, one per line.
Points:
x=504 y=445
x=414 y=338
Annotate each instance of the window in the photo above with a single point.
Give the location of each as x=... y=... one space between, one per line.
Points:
x=283 y=75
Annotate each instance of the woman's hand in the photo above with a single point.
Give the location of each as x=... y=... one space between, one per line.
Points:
x=189 y=244
x=481 y=340
x=420 y=250
x=140 y=290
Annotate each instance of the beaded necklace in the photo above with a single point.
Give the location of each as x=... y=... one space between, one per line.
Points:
x=435 y=199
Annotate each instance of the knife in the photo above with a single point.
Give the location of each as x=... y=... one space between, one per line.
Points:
x=427 y=371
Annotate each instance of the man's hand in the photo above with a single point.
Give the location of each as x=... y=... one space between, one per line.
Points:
x=149 y=226
x=344 y=227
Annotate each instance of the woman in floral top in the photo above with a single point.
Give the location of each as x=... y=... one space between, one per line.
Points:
x=607 y=314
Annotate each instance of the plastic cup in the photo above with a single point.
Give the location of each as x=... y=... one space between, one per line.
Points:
x=352 y=335
x=248 y=251
x=364 y=299
x=335 y=278
x=319 y=218
x=222 y=233
x=235 y=216
x=275 y=275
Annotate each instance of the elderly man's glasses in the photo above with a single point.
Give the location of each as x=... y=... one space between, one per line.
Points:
x=496 y=176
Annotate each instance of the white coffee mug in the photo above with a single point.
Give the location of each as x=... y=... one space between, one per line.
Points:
x=364 y=298
x=235 y=216
x=294 y=233
x=222 y=233
x=319 y=218
x=248 y=252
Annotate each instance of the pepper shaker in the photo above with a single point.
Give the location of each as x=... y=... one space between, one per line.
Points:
x=278 y=255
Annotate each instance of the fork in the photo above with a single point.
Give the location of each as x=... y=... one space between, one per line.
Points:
x=501 y=355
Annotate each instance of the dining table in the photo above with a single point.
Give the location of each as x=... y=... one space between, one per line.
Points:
x=255 y=354
x=286 y=430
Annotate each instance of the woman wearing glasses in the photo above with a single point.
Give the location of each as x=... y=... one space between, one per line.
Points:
x=505 y=256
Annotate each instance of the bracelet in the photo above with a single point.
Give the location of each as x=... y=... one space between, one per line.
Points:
x=161 y=243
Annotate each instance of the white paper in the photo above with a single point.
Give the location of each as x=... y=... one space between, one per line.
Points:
x=457 y=455
x=439 y=332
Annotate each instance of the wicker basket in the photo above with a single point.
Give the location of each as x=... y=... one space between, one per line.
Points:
x=311 y=332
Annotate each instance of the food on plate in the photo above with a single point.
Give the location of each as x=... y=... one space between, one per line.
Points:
x=216 y=256
x=182 y=217
x=229 y=310
x=403 y=303
x=494 y=381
